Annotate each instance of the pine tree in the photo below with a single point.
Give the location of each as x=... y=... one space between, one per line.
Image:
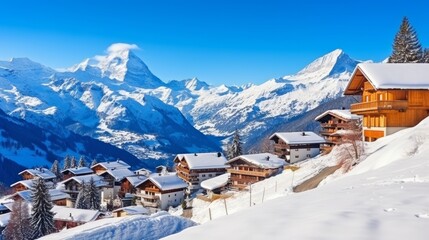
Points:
x=67 y=162
x=229 y=152
x=73 y=162
x=17 y=228
x=426 y=55
x=55 y=169
x=93 y=195
x=93 y=162
x=236 y=148
x=82 y=162
x=81 y=200
x=42 y=218
x=406 y=46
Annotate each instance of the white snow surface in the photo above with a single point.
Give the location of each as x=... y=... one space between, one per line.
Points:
x=396 y=75
x=133 y=210
x=78 y=170
x=136 y=180
x=167 y=182
x=151 y=227
x=4 y=219
x=342 y=113
x=263 y=160
x=299 y=137
x=383 y=197
x=203 y=160
x=112 y=165
x=119 y=174
x=74 y=214
x=55 y=194
x=40 y=172
x=216 y=182
x=98 y=180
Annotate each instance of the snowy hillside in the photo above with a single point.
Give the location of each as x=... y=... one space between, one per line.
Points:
x=255 y=108
x=24 y=145
x=103 y=98
x=383 y=197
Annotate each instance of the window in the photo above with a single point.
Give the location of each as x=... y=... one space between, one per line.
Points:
x=210 y=175
x=308 y=149
x=168 y=195
x=203 y=175
x=296 y=150
x=380 y=97
x=175 y=194
x=296 y=156
x=308 y=155
x=367 y=98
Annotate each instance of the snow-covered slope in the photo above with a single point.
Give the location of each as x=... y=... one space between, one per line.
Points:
x=383 y=197
x=255 y=108
x=104 y=98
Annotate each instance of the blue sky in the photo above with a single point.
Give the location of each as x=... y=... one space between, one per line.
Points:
x=231 y=42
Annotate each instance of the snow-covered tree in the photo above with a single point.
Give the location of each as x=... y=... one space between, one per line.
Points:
x=81 y=200
x=93 y=162
x=67 y=162
x=73 y=163
x=406 y=46
x=19 y=222
x=82 y=162
x=235 y=149
x=426 y=55
x=93 y=195
x=352 y=146
x=42 y=218
x=55 y=169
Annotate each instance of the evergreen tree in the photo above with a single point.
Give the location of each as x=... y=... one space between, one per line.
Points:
x=229 y=153
x=42 y=218
x=73 y=162
x=81 y=200
x=93 y=196
x=236 y=148
x=55 y=169
x=406 y=46
x=17 y=228
x=93 y=162
x=82 y=162
x=426 y=55
x=67 y=162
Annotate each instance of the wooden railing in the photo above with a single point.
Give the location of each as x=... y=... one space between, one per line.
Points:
x=147 y=196
x=379 y=105
x=150 y=204
x=251 y=173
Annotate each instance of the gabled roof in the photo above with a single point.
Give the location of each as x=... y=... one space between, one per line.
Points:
x=4 y=219
x=74 y=214
x=78 y=170
x=118 y=164
x=343 y=114
x=166 y=182
x=389 y=76
x=133 y=210
x=136 y=180
x=304 y=137
x=118 y=174
x=203 y=160
x=30 y=183
x=98 y=180
x=54 y=193
x=216 y=182
x=262 y=160
x=40 y=172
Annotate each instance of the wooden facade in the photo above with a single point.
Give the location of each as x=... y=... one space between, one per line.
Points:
x=27 y=176
x=19 y=187
x=194 y=176
x=286 y=151
x=149 y=194
x=386 y=110
x=244 y=173
x=98 y=169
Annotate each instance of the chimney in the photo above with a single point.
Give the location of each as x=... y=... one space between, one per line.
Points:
x=219 y=154
x=303 y=133
x=267 y=158
x=195 y=154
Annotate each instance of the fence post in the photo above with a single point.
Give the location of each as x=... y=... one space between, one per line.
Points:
x=210 y=214
x=250 y=198
x=263 y=195
x=276 y=186
x=226 y=208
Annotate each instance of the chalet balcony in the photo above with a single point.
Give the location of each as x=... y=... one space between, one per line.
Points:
x=376 y=106
x=150 y=204
x=334 y=125
x=148 y=196
x=250 y=173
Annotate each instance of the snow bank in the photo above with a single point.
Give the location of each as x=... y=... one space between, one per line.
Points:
x=155 y=226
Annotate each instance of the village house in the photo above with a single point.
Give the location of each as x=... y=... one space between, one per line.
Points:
x=27 y=185
x=215 y=186
x=77 y=171
x=65 y=217
x=58 y=197
x=129 y=184
x=161 y=191
x=130 y=210
x=197 y=167
x=43 y=173
x=73 y=185
x=394 y=96
x=297 y=146
x=113 y=177
x=335 y=124
x=101 y=167
x=248 y=169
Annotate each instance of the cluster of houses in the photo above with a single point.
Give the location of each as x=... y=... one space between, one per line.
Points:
x=394 y=96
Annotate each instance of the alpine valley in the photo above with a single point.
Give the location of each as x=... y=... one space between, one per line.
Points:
x=116 y=99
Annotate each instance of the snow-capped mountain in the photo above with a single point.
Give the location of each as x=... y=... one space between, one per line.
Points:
x=103 y=97
x=255 y=108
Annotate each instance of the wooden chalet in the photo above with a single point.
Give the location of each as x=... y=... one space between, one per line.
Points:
x=334 y=123
x=197 y=167
x=101 y=167
x=43 y=173
x=394 y=96
x=296 y=146
x=73 y=185
x=26 y=185
x=58 y=197
x=78 y=171
x=129 y=184
x=161 y=191
x=215 y=186
x=248 y=169
x=65 y=217
x=130 y=210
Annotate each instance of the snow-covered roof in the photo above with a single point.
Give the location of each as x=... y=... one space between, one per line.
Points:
x=136 y=180
x=113 y=165
x=54 y=193
x=30 y=183
x=133 y=210
x=203 y=160
x=4 y=219
x=298 y=137
x=262 y=160
x=216 y=182
x=166 y=182
x=74 y=214
x=142 y=171
x=98 y=180
x=119 y=174
x=390 y=76
x=340 y=113
x=78 y=170
x=40 y=172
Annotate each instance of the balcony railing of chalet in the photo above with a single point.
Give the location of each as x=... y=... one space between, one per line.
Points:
x=334 y=125
x=147 y=196
x=150 y=204
x=251 y=173
x=379 y=105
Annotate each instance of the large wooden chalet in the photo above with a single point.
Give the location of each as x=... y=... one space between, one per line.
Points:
x=296 y=146
x=197 y=167
x=78 y=171
x=43 y=173
x=394 y=96
x=248 y=169
x=335 y=124
x=73 y=185
x=58 y=197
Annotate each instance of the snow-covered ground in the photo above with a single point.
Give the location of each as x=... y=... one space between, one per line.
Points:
x=154 y=227
x=384 y=197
